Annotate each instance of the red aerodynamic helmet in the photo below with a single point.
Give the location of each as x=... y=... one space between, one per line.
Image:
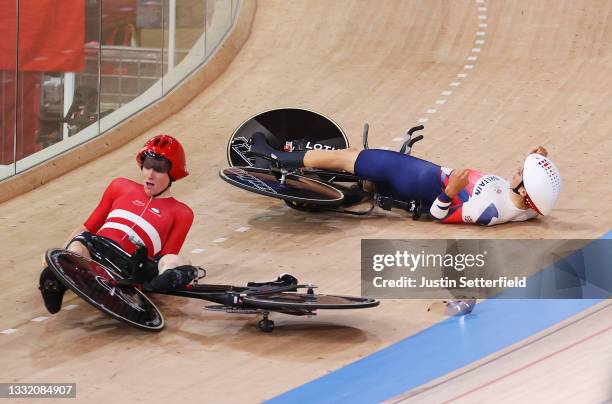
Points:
x=168 y=147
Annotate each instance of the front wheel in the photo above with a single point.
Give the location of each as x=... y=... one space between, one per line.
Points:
x=97 y=285
x=294 y=188
x=308 y=302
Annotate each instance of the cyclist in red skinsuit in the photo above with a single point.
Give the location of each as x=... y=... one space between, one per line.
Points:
x=144 y=213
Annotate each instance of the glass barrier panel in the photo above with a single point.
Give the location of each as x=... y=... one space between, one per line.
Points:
x=53 y=103
x=185 y=46
x=8 y=80
x=8 y=87
x=131 y=58
x=80 y=67
x=235 y=7
x=218 y=22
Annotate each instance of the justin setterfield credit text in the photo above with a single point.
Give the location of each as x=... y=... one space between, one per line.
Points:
x=447 y=283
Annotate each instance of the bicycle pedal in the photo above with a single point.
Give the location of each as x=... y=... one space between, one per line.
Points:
x=201 y=275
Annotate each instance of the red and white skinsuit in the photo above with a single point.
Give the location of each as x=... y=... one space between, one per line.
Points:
x=125 y=211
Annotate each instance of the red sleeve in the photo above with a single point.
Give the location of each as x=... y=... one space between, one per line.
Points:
x=446 y=209
x=455 y=215
x=182 y=224
x=98 y=216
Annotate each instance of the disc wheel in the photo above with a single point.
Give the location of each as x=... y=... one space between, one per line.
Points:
x=283 y=125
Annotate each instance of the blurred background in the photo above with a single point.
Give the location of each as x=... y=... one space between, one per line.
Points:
x=71 y=70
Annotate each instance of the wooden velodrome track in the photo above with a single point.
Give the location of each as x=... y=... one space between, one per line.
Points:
x=542 y=74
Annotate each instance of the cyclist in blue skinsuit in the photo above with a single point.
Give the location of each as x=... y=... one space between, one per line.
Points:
x=456 y=196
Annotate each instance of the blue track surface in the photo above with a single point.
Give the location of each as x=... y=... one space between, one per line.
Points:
x=446 y=346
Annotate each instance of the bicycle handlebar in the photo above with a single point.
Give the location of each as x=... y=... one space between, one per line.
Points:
x=366 y=129
x=414 y=129
x=414 y=140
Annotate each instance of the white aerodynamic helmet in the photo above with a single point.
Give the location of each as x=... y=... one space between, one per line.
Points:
x=542 y=183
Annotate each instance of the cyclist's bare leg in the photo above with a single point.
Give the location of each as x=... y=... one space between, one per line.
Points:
x=79 y=248
x=171 y=261
x=335 y=160
x=332 y=159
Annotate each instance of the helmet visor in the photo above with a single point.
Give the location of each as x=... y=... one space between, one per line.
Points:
x=158 y=163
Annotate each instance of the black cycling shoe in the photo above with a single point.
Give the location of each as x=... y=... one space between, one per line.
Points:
x=261 y=151
x=52 y=290
x=172 y=279
x=266 y=156
x=282 y=280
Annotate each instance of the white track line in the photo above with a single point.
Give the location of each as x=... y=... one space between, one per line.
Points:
x=479 y=33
